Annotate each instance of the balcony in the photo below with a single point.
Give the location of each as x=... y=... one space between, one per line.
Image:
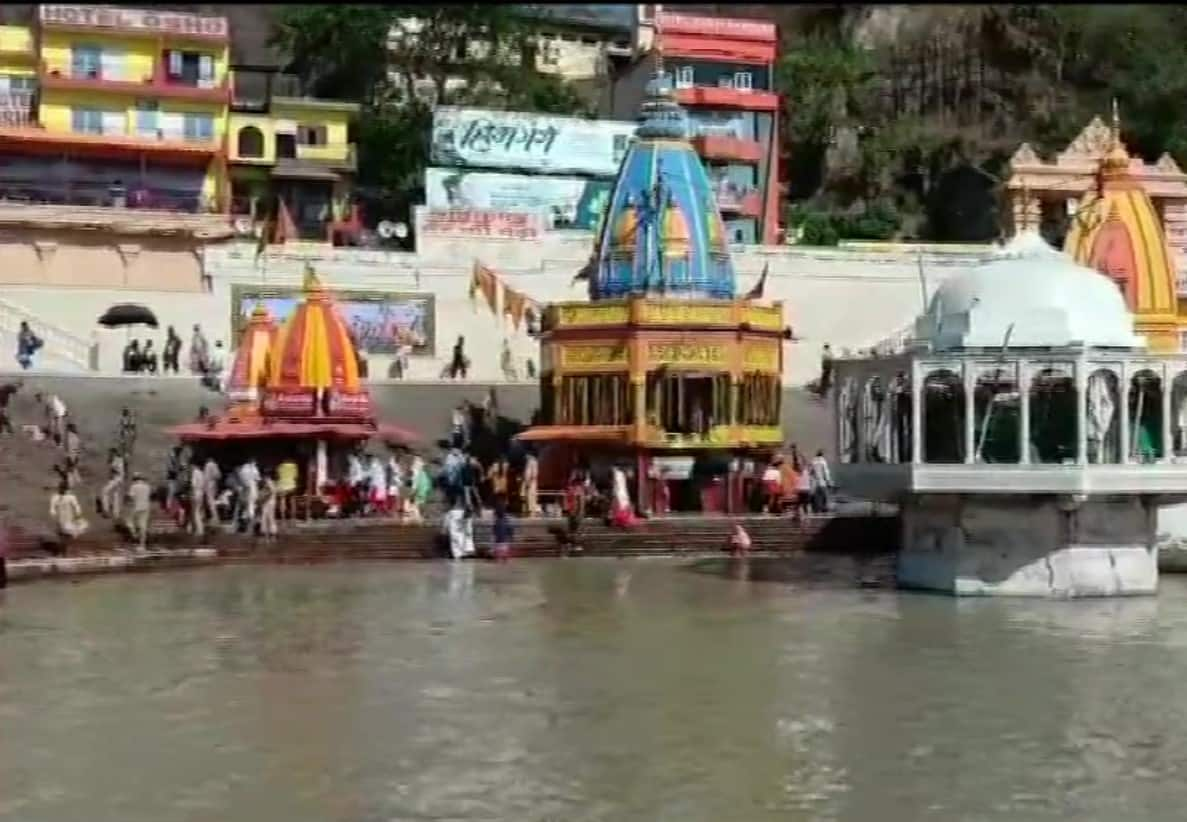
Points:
x=744 y=201
x=725 y=97
x=156 y=85
x=32 y=138
x=724 y=145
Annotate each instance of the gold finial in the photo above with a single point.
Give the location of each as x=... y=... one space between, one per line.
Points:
x=1117 y=158
x=310 y=281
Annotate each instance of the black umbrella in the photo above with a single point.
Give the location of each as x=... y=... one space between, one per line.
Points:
x=128 y=314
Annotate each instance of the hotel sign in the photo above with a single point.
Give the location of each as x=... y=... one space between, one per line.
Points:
x=115 y=19
x=723 y=27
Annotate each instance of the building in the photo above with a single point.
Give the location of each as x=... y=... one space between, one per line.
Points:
x=665 y=366
x=586 y=44
x=113 y=106
x=1030 y=438
x=285 y=148
x=723 y=70
x=1116 y=214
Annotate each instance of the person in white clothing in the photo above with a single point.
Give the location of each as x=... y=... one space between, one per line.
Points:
x=458 y=527
x=377 y=479
x=197 y=499
x=822 y=482
x=249 y=487
x=112 y=495
x=268 y=497
x=211 y=475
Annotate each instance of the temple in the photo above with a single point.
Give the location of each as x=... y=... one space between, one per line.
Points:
x=665 y=368
x=295 y=390
x=1128 y=220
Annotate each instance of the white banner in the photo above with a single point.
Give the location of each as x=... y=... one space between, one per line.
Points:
x=568 y=202
x=534 y=142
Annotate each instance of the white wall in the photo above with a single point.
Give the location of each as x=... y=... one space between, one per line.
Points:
x=849 y=297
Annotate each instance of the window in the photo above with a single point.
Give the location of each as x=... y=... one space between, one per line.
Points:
x=86 y=61
x=286 y=146
x=87 y=121
x=251 y=142
x=743 y=81
x=311 y=135
x=189 y=68
x=148 y=118
x=94 y=121
x=725 y=81
x=16 y=82
x=198 y=127
x=684 y=77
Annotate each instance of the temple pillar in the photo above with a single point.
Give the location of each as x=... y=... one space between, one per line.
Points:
x=1025 y=209
x=1123 y=398
x=1165 y=452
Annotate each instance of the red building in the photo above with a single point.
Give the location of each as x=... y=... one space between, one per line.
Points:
x=723 y=70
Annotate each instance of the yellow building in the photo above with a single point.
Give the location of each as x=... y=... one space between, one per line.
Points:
x=1118 y=231
x=291 y=150
x=111 y=106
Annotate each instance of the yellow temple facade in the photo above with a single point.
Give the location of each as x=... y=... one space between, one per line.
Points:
x=1128 y=220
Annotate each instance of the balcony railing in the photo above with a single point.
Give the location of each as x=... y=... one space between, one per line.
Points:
x=731 y=196
x=156 y=83
x=131 y=197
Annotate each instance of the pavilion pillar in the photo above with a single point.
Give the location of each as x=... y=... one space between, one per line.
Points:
x=917 y=395
x=1081 y=412
x=1165 y=452
x=970 y=413
x=1024 y=410
x=322 y=465
x=1123 y=398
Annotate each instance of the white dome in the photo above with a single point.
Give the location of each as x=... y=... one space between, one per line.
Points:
x=1047 y=298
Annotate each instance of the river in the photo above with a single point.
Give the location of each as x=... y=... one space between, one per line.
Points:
x=582 y=690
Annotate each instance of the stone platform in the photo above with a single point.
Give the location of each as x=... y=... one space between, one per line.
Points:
x=1029 y=545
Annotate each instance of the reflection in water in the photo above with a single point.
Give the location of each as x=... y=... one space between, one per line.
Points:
x=583 y=690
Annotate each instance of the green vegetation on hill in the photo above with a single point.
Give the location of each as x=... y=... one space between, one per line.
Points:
x=914 y=111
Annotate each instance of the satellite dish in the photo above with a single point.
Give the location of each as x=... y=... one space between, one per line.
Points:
x=386 y=229
x=401 y=231
x=243 y=226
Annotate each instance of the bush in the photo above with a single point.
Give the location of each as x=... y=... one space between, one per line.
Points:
x=819 y=230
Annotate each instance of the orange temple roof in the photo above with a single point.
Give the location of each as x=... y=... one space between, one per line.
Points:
x=313 y=349
x=250 y=369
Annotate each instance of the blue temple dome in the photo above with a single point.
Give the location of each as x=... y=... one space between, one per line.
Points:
x=662 y=233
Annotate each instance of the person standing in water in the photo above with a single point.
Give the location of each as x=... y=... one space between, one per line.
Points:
x=503 y=532
x=140 y=499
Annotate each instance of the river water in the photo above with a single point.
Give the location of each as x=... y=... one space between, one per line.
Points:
x=583 y=690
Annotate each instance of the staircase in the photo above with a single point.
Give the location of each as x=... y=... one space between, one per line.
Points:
x=62 y=352
x=379 y=540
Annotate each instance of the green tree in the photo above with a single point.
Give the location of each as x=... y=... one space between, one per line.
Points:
x=397 y=61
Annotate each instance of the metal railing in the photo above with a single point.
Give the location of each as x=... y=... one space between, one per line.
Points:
x=105 y=196
x=58 y=342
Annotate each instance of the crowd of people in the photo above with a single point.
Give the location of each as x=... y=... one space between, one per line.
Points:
x=205 y=361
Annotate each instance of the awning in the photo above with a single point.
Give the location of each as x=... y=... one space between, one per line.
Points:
x=258 y=428
x=575 y=433
x=304 y=171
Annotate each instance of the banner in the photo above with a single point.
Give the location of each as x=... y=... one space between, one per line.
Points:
x=567 y=202
x=380 y=321
x=533 y=142
x=474 y=223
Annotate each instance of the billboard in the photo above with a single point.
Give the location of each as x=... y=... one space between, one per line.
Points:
x=531 y=142
x=568 y=202
x=380 y=321
x=460 y=222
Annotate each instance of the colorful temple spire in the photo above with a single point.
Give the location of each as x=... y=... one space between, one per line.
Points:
x=662 y=233
x=1118 y=231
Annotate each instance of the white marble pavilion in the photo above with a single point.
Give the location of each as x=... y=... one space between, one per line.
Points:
x=1027 y=432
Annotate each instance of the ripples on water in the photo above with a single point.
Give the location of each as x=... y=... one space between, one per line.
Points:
x=583 y=690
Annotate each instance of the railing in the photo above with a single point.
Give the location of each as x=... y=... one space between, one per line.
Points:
x=58 y=342
x=896 y=343
x=16 y=108
x=156 y=78
x=88 y=195
x=730 y=195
